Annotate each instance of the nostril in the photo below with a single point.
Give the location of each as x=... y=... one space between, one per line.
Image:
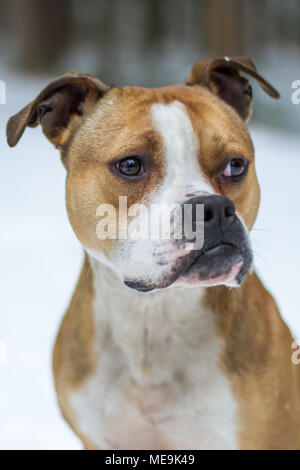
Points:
x=229 y=210
x=208 y=214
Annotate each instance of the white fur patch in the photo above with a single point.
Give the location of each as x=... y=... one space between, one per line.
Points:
x=157 y=384
x=182 y=149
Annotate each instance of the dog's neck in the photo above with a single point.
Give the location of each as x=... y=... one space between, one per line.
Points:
x=155 y=332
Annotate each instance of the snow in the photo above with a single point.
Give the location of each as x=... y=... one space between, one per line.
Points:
x=41 y=258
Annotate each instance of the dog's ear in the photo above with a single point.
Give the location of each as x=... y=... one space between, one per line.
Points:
x=223 y=77
x=64 y=101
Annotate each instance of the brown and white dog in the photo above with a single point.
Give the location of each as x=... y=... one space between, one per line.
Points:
x=202 y=366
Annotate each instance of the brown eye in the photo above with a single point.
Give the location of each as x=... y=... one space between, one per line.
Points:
x=235 y=168
x=131 y=166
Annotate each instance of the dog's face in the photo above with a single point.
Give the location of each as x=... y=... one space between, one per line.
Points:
x=179 y=146
x=167 y=146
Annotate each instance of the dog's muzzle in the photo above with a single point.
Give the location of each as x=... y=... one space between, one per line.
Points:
x=225 y=244
x=225 y=240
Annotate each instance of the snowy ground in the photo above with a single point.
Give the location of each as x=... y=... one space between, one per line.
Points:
x=40 y=261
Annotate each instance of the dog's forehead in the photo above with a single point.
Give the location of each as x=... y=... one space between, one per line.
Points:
x=172 y=113
x=139 y=102
x=190 y=120
x=137 y=108
x=138 y=121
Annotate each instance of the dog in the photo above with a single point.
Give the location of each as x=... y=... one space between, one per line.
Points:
x=164 y=346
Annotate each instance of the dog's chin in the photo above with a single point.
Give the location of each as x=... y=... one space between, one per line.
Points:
x=222 y=265
x=230 y=278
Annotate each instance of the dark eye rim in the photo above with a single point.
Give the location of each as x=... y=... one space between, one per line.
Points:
x=238 y=177
x=114 y=167
x=137 y=159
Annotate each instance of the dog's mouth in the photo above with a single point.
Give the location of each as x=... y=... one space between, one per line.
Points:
x=224 y=263
x=225 y=258
x=220 y=264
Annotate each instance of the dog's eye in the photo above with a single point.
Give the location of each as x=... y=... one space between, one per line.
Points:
x=130 y=166
x=235 y=168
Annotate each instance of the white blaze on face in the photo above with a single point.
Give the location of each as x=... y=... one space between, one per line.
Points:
x=182 y=148
x=152 y=260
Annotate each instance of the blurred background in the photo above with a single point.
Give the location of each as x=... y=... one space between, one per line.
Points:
x=152 y=42
x=132 y=42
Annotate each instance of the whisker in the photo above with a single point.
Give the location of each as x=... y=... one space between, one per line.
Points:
x=262 y=230
x=260 y=244
x=261 y=257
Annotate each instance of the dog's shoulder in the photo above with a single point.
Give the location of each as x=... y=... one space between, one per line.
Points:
x=73 y=358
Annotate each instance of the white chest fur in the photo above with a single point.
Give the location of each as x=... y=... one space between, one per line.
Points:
x=157 y=384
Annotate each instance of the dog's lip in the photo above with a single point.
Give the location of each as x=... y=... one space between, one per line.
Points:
x=193 y=279
x=213 y=251
x=235 y=267
x=196 y=274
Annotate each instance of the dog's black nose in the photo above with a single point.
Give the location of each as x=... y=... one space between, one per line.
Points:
x=219 y=211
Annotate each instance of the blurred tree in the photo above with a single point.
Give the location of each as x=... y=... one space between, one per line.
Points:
x=155 y=29
x=225 y=28
x=2 y=16
x=41 y=31
x=146 y=41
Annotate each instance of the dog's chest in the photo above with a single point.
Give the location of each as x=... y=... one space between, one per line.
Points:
x=157 y=384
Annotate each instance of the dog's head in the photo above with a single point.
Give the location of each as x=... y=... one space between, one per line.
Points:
x=131 y=151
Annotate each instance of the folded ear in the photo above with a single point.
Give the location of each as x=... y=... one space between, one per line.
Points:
x=58 y=108
x=223 y=77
